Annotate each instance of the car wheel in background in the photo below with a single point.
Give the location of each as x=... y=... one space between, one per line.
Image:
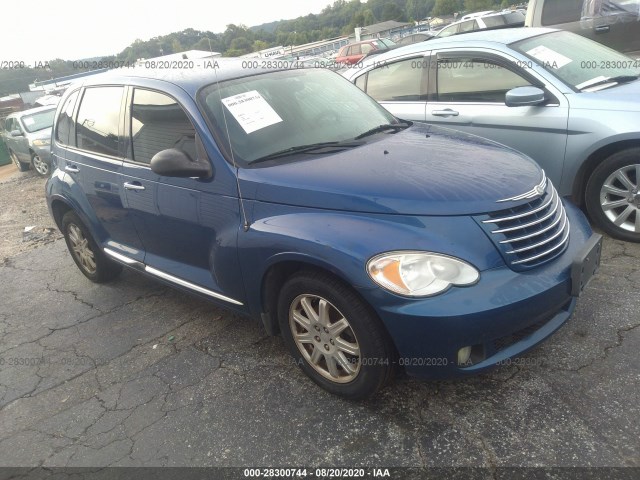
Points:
x=613 y=195
x=334 y=336
x=40 y=166
x=23 y=167
x=89 y=258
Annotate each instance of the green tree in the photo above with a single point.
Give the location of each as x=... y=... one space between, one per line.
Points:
x=391 y=11
x=478 y=5
x=259 y=45
x=445 y=7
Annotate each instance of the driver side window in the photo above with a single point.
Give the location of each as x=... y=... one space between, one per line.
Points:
x=158 y=123
x=475 y=80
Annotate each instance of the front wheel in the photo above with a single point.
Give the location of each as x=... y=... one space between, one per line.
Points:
x=22 y=167
x=334 y=336
x=41 y=166
x=613 y=195
x=91 y=261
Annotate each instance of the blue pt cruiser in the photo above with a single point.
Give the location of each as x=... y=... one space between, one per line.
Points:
x=291 y=196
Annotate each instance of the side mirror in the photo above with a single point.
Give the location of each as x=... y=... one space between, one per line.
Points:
x=524 y=97
x=176 y=163
x=16 y=133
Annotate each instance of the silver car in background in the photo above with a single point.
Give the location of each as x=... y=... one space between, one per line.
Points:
x=571 y=104
x=27 y=135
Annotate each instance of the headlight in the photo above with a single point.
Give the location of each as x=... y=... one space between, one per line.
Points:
x=420 y=274
x=42 y=142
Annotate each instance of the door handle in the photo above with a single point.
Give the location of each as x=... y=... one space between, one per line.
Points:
x=133 y=186
x=602 y=28
x=447 y=112
x=71 y=169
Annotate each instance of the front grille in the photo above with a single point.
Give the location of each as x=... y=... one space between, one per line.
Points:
x=530 y=234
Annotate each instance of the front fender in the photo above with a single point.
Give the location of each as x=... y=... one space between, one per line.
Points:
x=343 y=242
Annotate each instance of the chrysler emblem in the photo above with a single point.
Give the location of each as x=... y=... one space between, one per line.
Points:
x=534 y=192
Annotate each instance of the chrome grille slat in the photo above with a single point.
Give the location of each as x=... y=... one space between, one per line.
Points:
x=522 y=215
x=535 y=234
x=546 y=240
x=531 y=233
x=546 y=252
x=532 y=224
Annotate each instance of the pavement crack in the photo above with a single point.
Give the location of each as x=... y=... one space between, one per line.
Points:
x=76 y=297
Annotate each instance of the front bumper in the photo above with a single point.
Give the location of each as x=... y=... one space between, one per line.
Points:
x=505 y=314
x=43 y=152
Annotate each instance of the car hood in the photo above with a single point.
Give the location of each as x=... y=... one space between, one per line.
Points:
x=40 y=134
x=422 y=170
x=623 y=98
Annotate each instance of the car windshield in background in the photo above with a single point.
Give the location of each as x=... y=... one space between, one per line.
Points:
x=384 y=43
x=291 y=110
x=492 y=21
x=38 y=121
x=581 y=63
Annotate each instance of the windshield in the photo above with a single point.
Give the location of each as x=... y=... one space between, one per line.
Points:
x=579 y=62
x=385 y=43
x=276 y=111
x=38 y=121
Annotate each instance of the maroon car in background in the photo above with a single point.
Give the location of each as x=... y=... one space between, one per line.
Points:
x=354 y=52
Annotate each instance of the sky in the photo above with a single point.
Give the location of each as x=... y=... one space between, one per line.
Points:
x=74 y=29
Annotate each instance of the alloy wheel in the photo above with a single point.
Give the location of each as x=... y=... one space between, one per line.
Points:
x=620 y=198
x=15 y=160
x=81 y=250
x=325 y=338
x=41 y=167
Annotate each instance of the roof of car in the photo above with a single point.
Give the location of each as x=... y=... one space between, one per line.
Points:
x=204 y=72
x=480 y=38
x=30 y=111
x=502 y=36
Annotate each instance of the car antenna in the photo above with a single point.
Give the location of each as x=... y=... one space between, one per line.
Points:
x=245 y=222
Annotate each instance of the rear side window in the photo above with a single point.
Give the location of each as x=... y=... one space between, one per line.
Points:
x=555 y=12
x=399 y=81
x=158 y=122
x=64 y=126
x=97 y=127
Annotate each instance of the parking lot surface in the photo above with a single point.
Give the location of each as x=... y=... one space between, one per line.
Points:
x=133 y=373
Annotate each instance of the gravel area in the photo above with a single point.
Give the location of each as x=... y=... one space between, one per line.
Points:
x=23 y=206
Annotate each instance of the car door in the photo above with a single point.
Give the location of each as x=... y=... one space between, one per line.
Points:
x=613 y=23
x=188 y=226
x=19 y=143
x=92 y=154
x=467 y=92
x=399 y=85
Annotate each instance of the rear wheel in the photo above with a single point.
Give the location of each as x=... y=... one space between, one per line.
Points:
x=334 y=336
x=613 y=195
x=23 y=167
x=40 y=166
x=89 y=258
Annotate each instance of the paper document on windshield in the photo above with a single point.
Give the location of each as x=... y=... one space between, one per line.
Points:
x=251 y=111
x=549 y=58
x=28 y=121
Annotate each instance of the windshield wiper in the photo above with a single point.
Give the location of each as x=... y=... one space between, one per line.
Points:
x=604 y=80
x=382 y=128
x=302 y=149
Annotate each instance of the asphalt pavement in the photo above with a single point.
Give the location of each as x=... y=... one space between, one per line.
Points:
x=134 y=373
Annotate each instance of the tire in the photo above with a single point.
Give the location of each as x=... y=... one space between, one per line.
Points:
x=89 y=258
x=612 y=195
x=42 y=167
x=22 y=167
x=334 y=359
